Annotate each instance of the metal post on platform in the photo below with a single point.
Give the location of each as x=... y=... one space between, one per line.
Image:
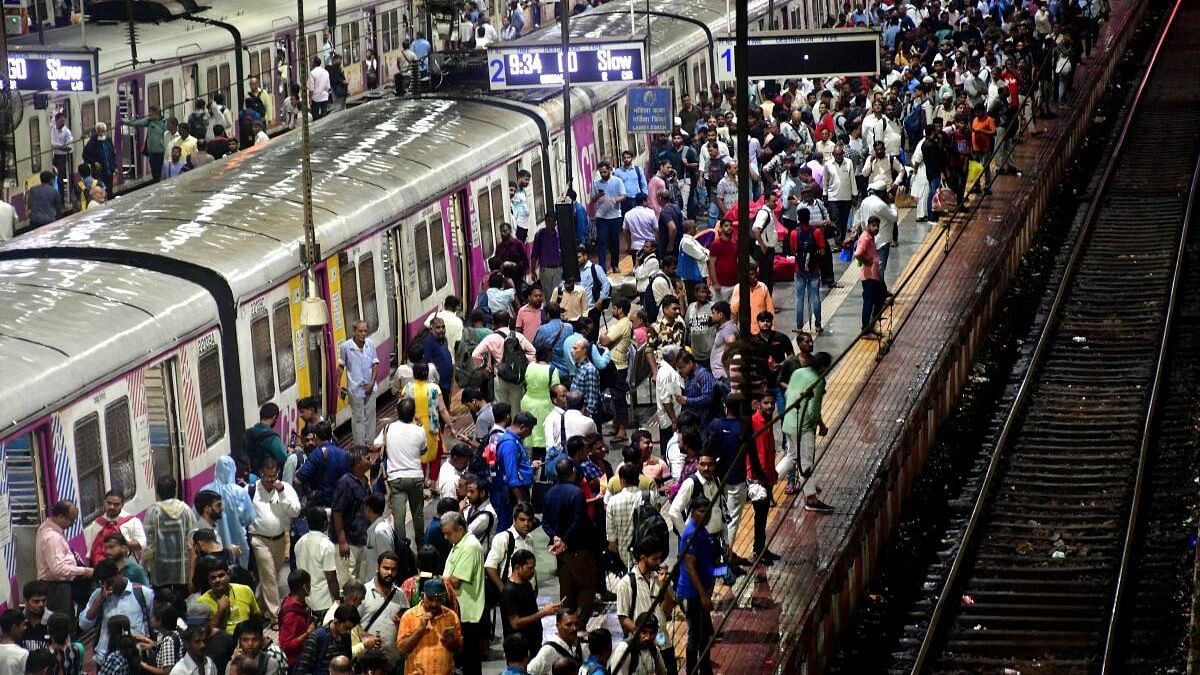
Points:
x=565 y=16
x=741 y=58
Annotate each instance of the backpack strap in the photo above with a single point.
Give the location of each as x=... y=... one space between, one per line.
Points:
x=508 y=551
x=375 y=616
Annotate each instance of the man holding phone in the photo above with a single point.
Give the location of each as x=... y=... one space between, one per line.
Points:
x=429 y=634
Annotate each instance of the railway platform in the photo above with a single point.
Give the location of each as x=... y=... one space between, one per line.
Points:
x=885 y=401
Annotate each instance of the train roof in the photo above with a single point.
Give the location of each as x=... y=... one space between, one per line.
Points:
x=242 y=216
x=66 y=325
x=164 y=42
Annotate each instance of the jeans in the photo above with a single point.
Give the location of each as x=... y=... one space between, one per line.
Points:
x=935 y=184
x=156 y=165
x=872 y=300
x=700 y=633
x=808 y=285
x=762 y=509
x=609 y=232
x=408 y=493
x=362 y=418
x=884 y=253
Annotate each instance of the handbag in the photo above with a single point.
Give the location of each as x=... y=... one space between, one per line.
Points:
x=944 y=200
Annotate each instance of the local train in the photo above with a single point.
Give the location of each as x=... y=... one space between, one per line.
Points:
x=181 y=60
x=141 y=338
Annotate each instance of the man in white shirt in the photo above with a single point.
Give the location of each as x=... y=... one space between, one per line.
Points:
x=450 y=476
x=840 y=188
x=318 y=556
x=667 y=385
x=874 y=125
x=61 y=139
x=403 y=442
x=275 y=505
x=195 y=661
x=705 y=479
x=129 y=525
x=879 y=169
x=518 y=537
x=554 y=424
x=767 y=238
x=480 y=514
x=8 y=221
x=878 y=203
x=319 y=88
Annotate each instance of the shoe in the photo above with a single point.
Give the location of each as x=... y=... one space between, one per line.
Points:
x=818 y=330
x=871 y=335
x=922 y=219
x=765 y=561
x=791 y=489
x=987 y=190
x=772 y=556
x=817 y=506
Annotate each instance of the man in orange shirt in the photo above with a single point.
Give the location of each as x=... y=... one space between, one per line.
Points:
x=429 y=634
x=760 y=299
x=983 y=134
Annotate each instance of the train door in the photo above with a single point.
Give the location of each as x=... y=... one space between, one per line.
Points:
x=285 y=68
x=162 y=411
x=127 y=138
x=25 y=478
x=315 y=351
x=463 y=237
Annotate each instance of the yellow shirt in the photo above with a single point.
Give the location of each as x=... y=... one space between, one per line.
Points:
x=242 y=604
x=430 y=656
x=620 y=334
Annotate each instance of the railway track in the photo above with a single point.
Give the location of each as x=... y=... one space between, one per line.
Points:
x=1041 y=574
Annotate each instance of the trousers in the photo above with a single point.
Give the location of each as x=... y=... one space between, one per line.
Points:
x=700 y=633
x=577 y=580
x=362 y=419
x=808 y=287
x=609 y=233
x=408 y=493
x=872 y=301
x=735 y=503
x=801 y=458
x=509 y=393
x=269 y=555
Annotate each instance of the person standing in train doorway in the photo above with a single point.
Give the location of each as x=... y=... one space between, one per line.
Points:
x=358 y=361
x=521 y=213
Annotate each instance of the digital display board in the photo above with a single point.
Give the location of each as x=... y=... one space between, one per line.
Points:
x=527 y=67
x=781 y=55
x=49 y=72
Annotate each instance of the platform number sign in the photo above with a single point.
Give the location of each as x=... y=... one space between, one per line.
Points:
x=532 y=65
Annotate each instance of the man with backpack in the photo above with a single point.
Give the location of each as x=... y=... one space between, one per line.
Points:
x=322 y=468
x=636 y=593
x=628 y=511
x=640 y=654
x=261 y=441
x=114 y=520
x=116 y=595
x=499 y=565
x=596 y=287
x=810 y=246
x=500 y=356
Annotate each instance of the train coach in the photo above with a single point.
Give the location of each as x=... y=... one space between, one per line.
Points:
x=146 y=334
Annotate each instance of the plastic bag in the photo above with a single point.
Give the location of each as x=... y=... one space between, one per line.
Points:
x=974 y=171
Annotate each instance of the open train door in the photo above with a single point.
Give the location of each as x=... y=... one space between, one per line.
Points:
x=27 y=469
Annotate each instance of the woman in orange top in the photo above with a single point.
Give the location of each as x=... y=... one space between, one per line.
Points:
x=983 y=135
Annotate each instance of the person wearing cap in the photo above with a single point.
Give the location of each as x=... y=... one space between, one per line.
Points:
x=429 y=635
x=218 y=645
x=639 y=654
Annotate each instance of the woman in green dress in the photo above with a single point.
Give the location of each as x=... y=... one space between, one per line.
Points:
x=540 y=376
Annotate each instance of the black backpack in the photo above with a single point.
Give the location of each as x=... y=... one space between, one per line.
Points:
x=806 y=249
x=648 y=302
x=465 y=372
x=649 y=527
x=513 y=361
x=254 y=452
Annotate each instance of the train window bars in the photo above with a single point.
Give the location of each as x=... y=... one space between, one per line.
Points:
x=88 y=467
x=212 y=397
x=260 y=354
x=285 y=357
x=118 y=437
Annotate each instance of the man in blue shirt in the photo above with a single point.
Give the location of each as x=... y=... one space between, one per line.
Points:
x=437 y=352
x=422 y=47
x=572 y=536
x=554 y=333
x=513 y=481
x=696 y=581
x=359 y=362
x=699 y=386
x=324 y=466
x=584 y=233
x=116 y=595
x=725 y=437
x=607 y=195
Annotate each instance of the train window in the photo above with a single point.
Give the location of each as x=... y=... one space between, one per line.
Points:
x=285 y=361
x=255 y=65
x=22 y=481
x=154 y=96
x=391 y=30
x=539 y=189
x=35 y=144
x=118 y=436
x=498 y=193
x=260 y=354
x=87 y=118
x=486 y=234
x=312 y=49
x=614 y=133
x=368 y=298
x=682 y=78
x=224 y=81
x=88 y=466
x=349 y=285
x=350 y=43
x=214 y=81
x=212 y=399
x=265 y=77
x=424 y=271
x=168 y=96
x=104 y=111
x=696 y=81
x=437 y=253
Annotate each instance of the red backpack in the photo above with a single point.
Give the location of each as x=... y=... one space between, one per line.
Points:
x=106 y=528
